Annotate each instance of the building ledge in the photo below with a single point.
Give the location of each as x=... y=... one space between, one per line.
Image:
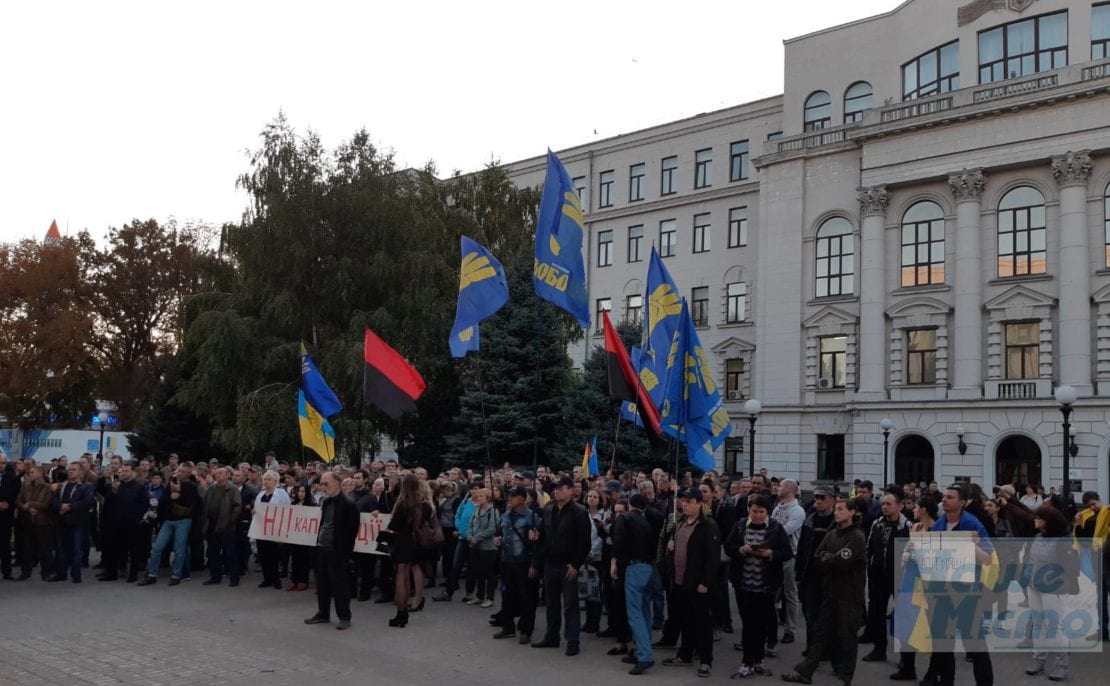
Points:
x=915 y=290
x=1007 y=280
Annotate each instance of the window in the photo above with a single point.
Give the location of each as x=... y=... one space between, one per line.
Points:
x=668 y=230
x=776 y=136
x=1021 y=233
x=605 y=190
x=1023 y=350
x=636 y=175
x=580 y=188
x=834 y=360
x=937 y=71
x=835 y=258
x=634 y=309
x=604 y=248
x=1100 y=32
x=635 y=239
x=921 y=356
x=734 y=453
x=818 y=111
x=856 y=99
x=738 y=160
x=703 y=172
x=923 y=245
x=1023 y=47
x=736 y=309
x=830 y=457
x=699 y=305
x=701 y=232
x=738 y=227
x=1106 y=222
x=734 y=377
x=603 y=305
x=667 y=180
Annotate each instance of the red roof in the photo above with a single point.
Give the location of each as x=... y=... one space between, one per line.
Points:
x=52 y=233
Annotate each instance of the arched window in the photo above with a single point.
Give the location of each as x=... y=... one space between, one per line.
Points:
x=818 y=111
x=1021 y=233
x=923 y=245
x=1106 y=219
x=856 y=99
x=835 y=258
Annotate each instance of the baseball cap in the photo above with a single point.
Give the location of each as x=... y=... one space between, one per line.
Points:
x=690 y=494
x=824 y=491
x=612 y=486
x=518 y=492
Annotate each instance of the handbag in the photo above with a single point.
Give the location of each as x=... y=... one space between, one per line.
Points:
x=384 y=542
x=589 y=583
x=430 y=535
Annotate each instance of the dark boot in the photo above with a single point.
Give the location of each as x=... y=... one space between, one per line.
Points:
x=400 y=620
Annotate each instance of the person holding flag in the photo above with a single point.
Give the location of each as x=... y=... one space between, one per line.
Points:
x=559 y=273
x=482 y=291
x=315 y=403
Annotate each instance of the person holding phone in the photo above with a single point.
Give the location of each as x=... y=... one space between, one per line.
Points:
x=761 y=547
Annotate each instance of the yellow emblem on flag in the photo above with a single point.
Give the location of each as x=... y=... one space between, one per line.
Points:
x=475 y=269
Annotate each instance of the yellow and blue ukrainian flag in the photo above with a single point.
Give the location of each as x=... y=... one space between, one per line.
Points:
x=589 y=459
x=482 y=291
x=316 y=433
x=559 y=273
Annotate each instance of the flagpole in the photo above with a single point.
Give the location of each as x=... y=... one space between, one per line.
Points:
x=482 y=405
x=358 y=441
x=616 y=437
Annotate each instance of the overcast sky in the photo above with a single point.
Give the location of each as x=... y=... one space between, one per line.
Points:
x=117 y=110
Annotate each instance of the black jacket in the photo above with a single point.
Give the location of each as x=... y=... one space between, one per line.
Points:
x=633 y=539
x=703 y=554
x=842 y=560
x=81 y=501
x=9 y=490
x=127 y=503
x=724 y=513
x=345 y=519
x=813 y=532
x=780 y=553
x=565 y=536
x=187 y=505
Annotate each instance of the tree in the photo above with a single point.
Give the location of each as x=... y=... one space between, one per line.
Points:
x=47 y=311
x=140 y=280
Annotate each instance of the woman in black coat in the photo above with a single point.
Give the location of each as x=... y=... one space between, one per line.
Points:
x=410 y=513
x=758 y=547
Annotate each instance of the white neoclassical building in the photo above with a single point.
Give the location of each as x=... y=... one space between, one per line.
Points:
x=917 y=230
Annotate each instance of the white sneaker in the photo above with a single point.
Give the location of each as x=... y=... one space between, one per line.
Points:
x=487 y=603
x=761 y=669
x=472 y=601
x=744 y=672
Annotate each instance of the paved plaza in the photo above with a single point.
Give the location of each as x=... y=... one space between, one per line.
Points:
x=114 y=633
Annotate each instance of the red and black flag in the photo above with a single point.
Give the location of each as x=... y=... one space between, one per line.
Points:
x=624 y=383
x=389 y=381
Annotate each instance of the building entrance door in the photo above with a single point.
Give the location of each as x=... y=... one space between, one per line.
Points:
x=913 y=461
x=1017 y=462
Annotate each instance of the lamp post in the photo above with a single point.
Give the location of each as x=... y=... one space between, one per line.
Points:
x=886 y=425
x=1065 y=396
x=103 y=420
x=752 y=407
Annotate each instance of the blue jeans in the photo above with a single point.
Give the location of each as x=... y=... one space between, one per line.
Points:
x=71 y=543
x=658 y=601
x=175 y=531
x=641 y=584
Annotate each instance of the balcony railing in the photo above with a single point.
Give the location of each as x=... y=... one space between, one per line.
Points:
x=1017 y=390
x=1005 y=90
x=814 y=139
x=1098 y=71
x=916 y=109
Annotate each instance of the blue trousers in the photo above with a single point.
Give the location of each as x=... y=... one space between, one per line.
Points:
x=174 y=532
x=641 y=584
x=71 y=544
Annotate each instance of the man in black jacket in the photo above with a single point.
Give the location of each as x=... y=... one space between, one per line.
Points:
x=9 y=491
x=125 y=503
x=697 y=557
x=817 y=524
x=564 y=545
x=73 y=503
x=633 y=561
x=335 y=543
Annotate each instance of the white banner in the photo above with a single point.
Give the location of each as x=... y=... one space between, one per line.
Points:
x=299 y=525
x=944 y=555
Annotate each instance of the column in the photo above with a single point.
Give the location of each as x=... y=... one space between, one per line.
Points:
x=1071 y=171
x=967 y=339
x=872 y=353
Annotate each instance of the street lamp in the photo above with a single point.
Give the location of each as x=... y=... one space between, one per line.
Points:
x=103 y=419
x=752 y=407
x=1065 y=396
x=961 y=431
x=886 y=425
x=1073 y=447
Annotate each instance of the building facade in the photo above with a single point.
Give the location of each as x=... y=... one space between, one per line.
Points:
x=917 y=230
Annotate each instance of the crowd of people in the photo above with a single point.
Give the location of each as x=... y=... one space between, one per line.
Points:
x=648 y=552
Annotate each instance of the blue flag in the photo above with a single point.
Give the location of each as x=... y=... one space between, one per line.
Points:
x=482 y=291
x=660 y=324
x=316 y=433
x=558 y=272
x=692 y=410
x=316 y=390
